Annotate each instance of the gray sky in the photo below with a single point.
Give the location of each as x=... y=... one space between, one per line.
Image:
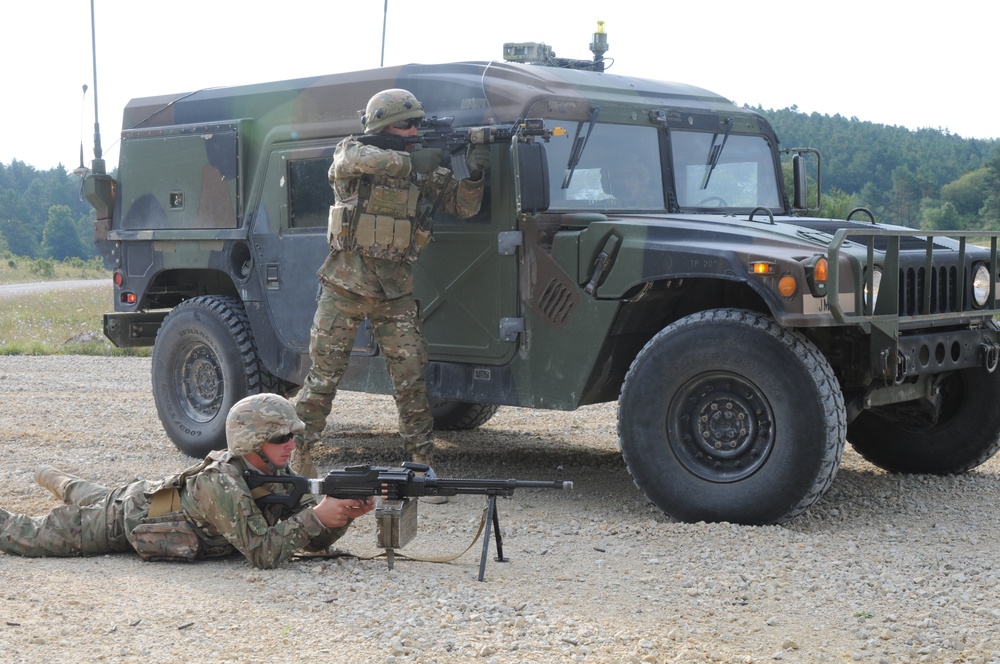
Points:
x=912 y=64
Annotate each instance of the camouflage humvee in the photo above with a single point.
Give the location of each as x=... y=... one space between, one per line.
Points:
x=649 y=255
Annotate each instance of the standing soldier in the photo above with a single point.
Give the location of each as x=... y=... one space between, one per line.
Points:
x=383 y=186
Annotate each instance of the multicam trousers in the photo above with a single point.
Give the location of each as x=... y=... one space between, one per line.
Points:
x=94 y=521
x=399 y=332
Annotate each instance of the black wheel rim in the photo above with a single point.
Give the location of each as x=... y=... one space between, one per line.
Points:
x=720 y=426
x=202 y=384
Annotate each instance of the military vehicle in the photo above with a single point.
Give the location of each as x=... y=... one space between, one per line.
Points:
x=650 y=255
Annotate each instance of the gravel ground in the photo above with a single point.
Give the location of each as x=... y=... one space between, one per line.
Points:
x=884 y=569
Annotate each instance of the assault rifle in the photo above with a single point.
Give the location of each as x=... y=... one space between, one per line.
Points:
x=396 y=515
x=437 y=132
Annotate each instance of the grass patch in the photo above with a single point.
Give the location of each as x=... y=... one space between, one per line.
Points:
x=20 y=270
x=59 y=322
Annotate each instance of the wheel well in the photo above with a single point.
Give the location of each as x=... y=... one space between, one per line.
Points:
x=649 y=308
x=171 y=287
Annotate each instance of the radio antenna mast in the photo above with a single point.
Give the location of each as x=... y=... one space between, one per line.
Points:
x=385 y=18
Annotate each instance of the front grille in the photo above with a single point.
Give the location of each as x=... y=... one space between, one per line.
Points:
x=919 y=294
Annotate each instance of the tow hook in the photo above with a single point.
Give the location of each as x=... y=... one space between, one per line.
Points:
x=991 y=355
x=897 y=372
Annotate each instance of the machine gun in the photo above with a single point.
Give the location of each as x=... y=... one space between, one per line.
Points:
x=396 y=514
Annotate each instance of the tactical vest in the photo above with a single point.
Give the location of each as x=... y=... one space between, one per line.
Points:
x=382 y=224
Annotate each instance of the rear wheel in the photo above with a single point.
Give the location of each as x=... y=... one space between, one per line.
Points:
x=726 y=416
x=955 y=434
x=204 y=361
x=460 y=415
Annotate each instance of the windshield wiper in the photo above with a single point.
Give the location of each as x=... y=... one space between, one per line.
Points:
x=716 y=151
x=579 y=143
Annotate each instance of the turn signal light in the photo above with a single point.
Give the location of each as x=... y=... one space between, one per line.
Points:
x=817 y=274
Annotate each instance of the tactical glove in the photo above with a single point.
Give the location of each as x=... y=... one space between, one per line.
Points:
x=478 y=159
x=425 y=160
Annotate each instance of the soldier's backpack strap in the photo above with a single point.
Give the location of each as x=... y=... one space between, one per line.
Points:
x=167 y=498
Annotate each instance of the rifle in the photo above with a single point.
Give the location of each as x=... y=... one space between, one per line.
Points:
x=396 y=515
x=437 y=132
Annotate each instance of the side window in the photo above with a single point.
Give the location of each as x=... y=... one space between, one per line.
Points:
x=309 y=193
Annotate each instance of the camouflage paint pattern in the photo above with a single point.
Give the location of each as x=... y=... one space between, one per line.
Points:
x=255 y=419
x=517 y=327
x=215 y=500
x=356 y=287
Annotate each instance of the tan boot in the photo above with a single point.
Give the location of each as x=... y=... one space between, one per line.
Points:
x=426 y=457
x=54 y=480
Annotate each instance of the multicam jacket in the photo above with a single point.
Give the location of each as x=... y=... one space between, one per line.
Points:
x=219 y=504
x=375 y=277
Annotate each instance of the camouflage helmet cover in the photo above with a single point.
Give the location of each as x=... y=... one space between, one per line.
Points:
x=388 y=107
x=256 y=419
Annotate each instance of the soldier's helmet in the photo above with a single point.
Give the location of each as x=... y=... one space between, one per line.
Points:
x=388 y=107
x=258 y=418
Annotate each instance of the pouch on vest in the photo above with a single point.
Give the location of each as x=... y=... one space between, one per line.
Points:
x=364 y=234
x=167 y=538
x=394 y=197
x=339 y=226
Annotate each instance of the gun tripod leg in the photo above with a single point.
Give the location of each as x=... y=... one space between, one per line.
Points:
x=494 y=517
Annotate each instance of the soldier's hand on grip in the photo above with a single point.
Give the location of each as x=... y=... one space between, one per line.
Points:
x=425 y=160
x=478 y=159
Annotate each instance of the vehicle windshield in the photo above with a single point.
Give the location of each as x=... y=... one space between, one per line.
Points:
x=710 y=172
x=618 y=169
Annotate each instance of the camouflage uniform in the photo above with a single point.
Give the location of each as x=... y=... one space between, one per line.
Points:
x=214 y=499
x=357 y=284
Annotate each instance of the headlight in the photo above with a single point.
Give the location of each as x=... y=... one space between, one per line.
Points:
x=872 y=298
x=980 y=285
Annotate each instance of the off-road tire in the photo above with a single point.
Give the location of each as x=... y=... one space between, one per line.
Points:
x=966 y=434
x=460 y=415
x=726 y=416
x=204 y=361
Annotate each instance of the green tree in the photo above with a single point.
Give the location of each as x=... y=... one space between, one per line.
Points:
x=990 y=212
x=20 y=238
x=968 y=193
x=59 y=238
x=944 y=217
x=837 y=204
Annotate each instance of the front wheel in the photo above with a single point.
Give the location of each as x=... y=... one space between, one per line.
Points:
x=726 y=416
x=959 y=431
x=204 y=361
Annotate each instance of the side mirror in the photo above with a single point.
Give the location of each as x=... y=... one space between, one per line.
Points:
x=531 y=170
x=800 y=194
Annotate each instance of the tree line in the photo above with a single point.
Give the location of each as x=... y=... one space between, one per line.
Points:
x=42 y=214
x=928 y=178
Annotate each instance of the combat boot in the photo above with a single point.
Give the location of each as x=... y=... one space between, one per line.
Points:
x=54 y=480
x=426 y=457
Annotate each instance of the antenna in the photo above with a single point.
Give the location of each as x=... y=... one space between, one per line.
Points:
x=385 y=18
x=98 y=163
x=81 y=170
